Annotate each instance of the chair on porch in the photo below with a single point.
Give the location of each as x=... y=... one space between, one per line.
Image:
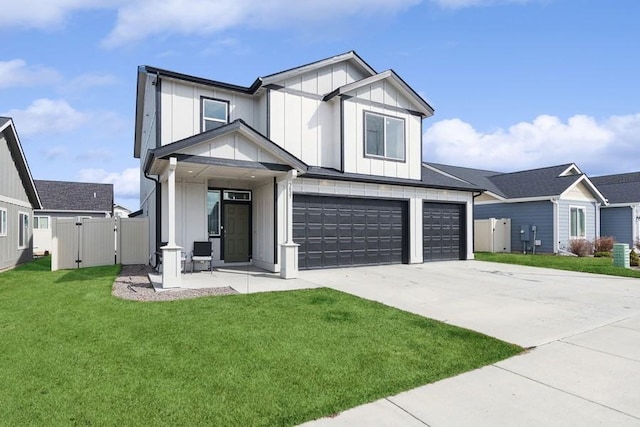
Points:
x=202 y=252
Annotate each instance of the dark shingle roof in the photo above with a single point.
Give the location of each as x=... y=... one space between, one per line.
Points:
x=75 y=196
x=516 y=185
x=620 y=188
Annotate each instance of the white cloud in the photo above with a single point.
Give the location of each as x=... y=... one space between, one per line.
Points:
x=55 y=152
x=95 y=154
x=16 y=72
x=126 y=184
x=46 y=14
x=140 y=19
x=47 y=116
x=604 y=146
x=87 y=81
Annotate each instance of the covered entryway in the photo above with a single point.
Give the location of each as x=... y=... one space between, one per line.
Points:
x=344 y=231
x=443 y=231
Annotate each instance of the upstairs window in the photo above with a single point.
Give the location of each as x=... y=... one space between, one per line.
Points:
x=384 y=136
x=578 y=223
x=215 y=113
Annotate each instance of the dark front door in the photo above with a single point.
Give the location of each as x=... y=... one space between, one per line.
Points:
x=236 y=232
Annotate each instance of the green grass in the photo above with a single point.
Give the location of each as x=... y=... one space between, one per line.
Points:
x=584 y=264
x=71 y=354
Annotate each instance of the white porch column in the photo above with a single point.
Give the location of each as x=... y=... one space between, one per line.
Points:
x=289 y=249
x=171 y=263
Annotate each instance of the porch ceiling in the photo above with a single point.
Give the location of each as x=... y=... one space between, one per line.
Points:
x=200 y=171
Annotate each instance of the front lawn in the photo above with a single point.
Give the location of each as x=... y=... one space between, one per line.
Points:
x=584 y=264
x=70 y=353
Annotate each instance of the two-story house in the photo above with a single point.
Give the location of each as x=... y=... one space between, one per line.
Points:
x=314 y=167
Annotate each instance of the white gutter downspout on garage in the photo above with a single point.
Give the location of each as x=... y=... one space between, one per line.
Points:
x=556 y=224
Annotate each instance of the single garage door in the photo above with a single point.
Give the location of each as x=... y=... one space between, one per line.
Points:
x=344 y=231
x=443 y=235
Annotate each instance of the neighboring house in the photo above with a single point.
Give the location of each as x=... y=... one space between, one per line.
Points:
x=548 y=207
x=121 y=211
x=327 y=156
x=621 y=217
x=63 y=199
x=18 y=199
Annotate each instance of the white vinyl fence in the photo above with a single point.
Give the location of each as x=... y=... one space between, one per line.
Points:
x=98 y=241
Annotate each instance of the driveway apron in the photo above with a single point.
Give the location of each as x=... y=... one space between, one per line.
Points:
x=582 y=332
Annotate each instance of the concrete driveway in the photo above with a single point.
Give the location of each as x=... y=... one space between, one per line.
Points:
x=583 y=367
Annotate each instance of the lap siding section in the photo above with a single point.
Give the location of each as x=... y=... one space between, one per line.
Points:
x=443 y=231
x=346 y=231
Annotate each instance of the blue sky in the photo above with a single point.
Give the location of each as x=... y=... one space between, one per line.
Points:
x=515 y=84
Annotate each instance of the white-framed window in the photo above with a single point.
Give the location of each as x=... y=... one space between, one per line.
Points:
x=41 y=222
x=23 y=231
x=577 y=222
x=3 y=222
x=384 y=136
x=213 y=212
x=215 y=113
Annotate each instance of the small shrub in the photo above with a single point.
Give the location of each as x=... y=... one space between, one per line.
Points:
x=602 y=254
x=580 y=247
x=634 y=259
x=603 y=244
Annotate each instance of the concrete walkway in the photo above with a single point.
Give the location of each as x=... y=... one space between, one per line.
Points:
x=583 y=371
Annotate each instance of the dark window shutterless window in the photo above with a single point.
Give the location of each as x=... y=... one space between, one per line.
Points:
x=215 y=113
x=384 y=136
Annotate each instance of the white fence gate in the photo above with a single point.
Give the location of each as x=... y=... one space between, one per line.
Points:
x=98 y=241
x=492 y=235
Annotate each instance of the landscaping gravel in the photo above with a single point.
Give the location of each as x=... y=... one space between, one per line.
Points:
x=133 y=284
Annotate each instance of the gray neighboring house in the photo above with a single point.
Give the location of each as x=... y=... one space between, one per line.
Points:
x=548 y=207
x=18 y=199
x=621 y=217
x=63 y=199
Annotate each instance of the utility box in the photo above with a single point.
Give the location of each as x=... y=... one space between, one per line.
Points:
x=492 y=235
x=621 y=255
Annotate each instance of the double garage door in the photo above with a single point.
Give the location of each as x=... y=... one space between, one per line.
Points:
x=345 y=231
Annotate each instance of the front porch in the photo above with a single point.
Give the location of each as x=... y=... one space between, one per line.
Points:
x=243 y=279
x=230 y=187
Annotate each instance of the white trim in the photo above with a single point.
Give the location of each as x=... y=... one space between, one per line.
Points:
x=6 y=222
x=53 y=212
x=567 y=170
x=556 y=225
x=16 y=202
x=590 y=186
x=520 y=200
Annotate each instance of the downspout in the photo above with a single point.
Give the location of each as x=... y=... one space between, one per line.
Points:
x=158 y=216
x=556 y=224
